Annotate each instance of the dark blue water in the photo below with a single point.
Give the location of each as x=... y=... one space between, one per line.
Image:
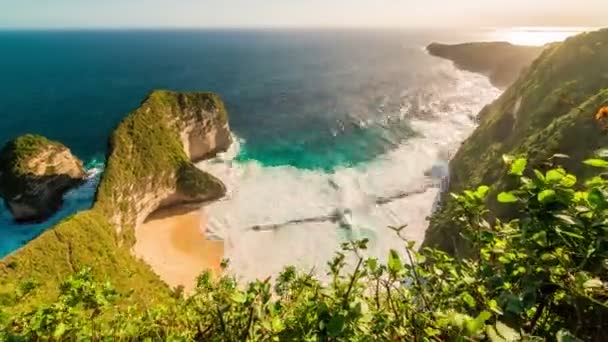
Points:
x=310 y=99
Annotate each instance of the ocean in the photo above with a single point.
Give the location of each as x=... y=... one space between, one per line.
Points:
x=339 y=133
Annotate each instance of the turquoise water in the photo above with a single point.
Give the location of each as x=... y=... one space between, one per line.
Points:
x=313 y=100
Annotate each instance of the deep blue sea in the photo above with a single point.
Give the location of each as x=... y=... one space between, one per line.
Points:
x=338 y=119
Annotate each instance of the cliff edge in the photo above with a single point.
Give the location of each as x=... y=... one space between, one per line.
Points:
x=501 y=62
x=549 y=110
x=34 y=175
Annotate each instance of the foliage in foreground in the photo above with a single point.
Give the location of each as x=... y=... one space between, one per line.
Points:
x=543 y=275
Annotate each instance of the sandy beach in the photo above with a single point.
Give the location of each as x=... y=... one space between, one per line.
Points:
x=172 y=241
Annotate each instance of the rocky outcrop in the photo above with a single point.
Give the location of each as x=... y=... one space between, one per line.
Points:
x=34 y=175
x=502 y=62
x=550 y=109
x=150 y=162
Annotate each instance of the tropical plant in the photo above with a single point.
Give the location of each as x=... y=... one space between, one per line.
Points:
x=541 y=275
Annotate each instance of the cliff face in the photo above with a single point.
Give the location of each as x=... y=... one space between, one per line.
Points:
x=149 y=165
x=502 y=62
x=34 y=175
x=550 y=109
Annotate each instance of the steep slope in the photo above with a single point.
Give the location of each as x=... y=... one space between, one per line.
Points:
x=549 y=109
x=502 y=62
x=149 y=165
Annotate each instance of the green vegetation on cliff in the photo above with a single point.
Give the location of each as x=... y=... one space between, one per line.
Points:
x=549 y=110
x=502 y=62
x=146 y=155
x=542 y=277
x=147 y=152
x=16 y=154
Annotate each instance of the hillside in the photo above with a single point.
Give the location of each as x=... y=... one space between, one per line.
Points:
x=502 y=62
x=550 y=109
x=149 y=165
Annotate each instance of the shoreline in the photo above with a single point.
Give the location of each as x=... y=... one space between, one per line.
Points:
x=173 y=242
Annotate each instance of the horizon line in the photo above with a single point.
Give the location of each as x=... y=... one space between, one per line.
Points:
x=266 y=28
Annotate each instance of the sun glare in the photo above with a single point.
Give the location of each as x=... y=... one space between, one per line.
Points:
x=534 y=35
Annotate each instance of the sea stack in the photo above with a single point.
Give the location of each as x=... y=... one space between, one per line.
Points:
x=35 y=173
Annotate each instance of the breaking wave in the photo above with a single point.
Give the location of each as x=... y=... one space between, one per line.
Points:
x=274 y=215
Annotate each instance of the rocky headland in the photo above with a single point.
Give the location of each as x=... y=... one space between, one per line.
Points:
x=149 y=166
x=35 y=173
x=501 y=62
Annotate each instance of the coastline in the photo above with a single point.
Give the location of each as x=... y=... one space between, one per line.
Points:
x=173 y=242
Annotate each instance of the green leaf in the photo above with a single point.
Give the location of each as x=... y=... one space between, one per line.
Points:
x=514 y=305
x=602 y=153
x=277 y=324
x=564 y=336
x=507 y=159
x=518 y=166
x=539 y=176
x=568 y=181
x=60 y=330
x=596 y=198
x=482 y=191
x=593 y=284
x=547 y=257
x=569 y=220
x=474 y=326
x=493 y=335
x=555 y=175
x=546 y=196
x=508 y=333
x=570 y=234
x=336 y=325
x=596 y=163
x=540 y=238
x=239 y=297
x=506 y=197
x=468 y=299
x=394 y=262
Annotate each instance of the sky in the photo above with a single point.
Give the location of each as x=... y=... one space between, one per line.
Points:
x=299 y=13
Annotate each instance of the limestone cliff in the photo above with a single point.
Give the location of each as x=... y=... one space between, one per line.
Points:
x=34 y=175
x=150 y=162
x=149 y=165
x=550 y=109
x=502 y=62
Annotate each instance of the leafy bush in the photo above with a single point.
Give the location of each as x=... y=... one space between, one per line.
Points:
x=542 y=275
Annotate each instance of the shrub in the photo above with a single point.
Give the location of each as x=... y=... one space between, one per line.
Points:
x=542 y=275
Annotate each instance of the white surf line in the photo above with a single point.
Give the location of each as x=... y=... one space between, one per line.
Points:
x=337 y=217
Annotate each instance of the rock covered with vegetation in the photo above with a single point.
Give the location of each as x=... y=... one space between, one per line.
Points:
x=502 y=62
x=551 y=110
x=542 y=277
x=149 y=165
x=150 y=162
x=34 y=175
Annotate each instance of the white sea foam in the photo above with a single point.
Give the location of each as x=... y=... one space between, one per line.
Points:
x=442 y=115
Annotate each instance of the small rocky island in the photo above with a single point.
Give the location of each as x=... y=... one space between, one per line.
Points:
x=501 y=62
x=35 y=173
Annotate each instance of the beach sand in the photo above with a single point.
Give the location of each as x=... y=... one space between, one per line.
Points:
x=172 y=241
